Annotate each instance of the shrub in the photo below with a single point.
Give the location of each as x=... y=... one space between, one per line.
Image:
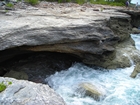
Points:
x=112 y=3
x=32 y=2
x=9 y=5
x=103 y=2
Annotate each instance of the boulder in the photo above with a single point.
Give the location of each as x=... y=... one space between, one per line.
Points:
x=136 y=31
x=22 y=92
x=17 y=74
x=88 y=89
x=135 y=71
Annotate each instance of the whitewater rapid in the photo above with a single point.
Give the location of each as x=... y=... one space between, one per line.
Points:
x=117 y=85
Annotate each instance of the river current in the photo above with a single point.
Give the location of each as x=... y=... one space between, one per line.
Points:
x=117 y=85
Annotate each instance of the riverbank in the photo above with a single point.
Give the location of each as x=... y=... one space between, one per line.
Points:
x=89 y=32
x=94 y=34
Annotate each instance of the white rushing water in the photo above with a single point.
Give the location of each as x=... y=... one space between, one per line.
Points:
x=117 y=85
x=136 y=38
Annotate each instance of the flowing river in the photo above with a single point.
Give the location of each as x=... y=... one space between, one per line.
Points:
x=117 y=85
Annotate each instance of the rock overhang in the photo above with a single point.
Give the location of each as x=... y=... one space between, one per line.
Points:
x=65 y=30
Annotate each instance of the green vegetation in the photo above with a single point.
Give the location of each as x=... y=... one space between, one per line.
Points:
x=32 y=2
x=64 y=1
x=4 y=85
x=9 y=5
x=80 y=1
x=9 y=83
x=104 y=2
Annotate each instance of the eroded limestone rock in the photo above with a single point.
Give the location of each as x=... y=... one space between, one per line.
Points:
x=124 y=56
x=135 y=71
x=22 y=92
x=88 y=89
x=135 y=16
x=121 y=27
x=92 y=38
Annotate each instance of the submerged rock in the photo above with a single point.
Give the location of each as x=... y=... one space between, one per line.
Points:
x=88 y=89
x=21 y=92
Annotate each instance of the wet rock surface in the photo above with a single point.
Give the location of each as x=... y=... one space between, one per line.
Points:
x=88 y=89
x=136 y=71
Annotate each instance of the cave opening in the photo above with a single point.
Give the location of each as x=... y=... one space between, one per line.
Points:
x=36 y=66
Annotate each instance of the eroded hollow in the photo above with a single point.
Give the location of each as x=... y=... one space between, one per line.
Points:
x=36 y=66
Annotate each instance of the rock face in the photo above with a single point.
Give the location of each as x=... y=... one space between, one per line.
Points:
x=121 y=27
x=92 y=36
x=22 y=92
x=78 y=30
x=135 y=15
x=125 y=55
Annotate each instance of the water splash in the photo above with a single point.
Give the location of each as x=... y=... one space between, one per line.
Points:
x=131 y=61
x=136 y=38
x=119 y=87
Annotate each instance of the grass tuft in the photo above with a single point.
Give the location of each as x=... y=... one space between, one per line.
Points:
x=3 y=85
x=32 y=2
x=103 y=2
x=9 y=5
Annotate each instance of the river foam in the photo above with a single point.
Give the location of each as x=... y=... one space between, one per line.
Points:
x=136 y=38
x=119 y=88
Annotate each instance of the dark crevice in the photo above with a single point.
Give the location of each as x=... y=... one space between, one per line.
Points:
x=38 y=65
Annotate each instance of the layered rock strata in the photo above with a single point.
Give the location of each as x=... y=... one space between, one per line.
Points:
x=79 y=30
x=135 y=15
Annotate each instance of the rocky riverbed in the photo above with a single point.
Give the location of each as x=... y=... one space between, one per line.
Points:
x=93 y=34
